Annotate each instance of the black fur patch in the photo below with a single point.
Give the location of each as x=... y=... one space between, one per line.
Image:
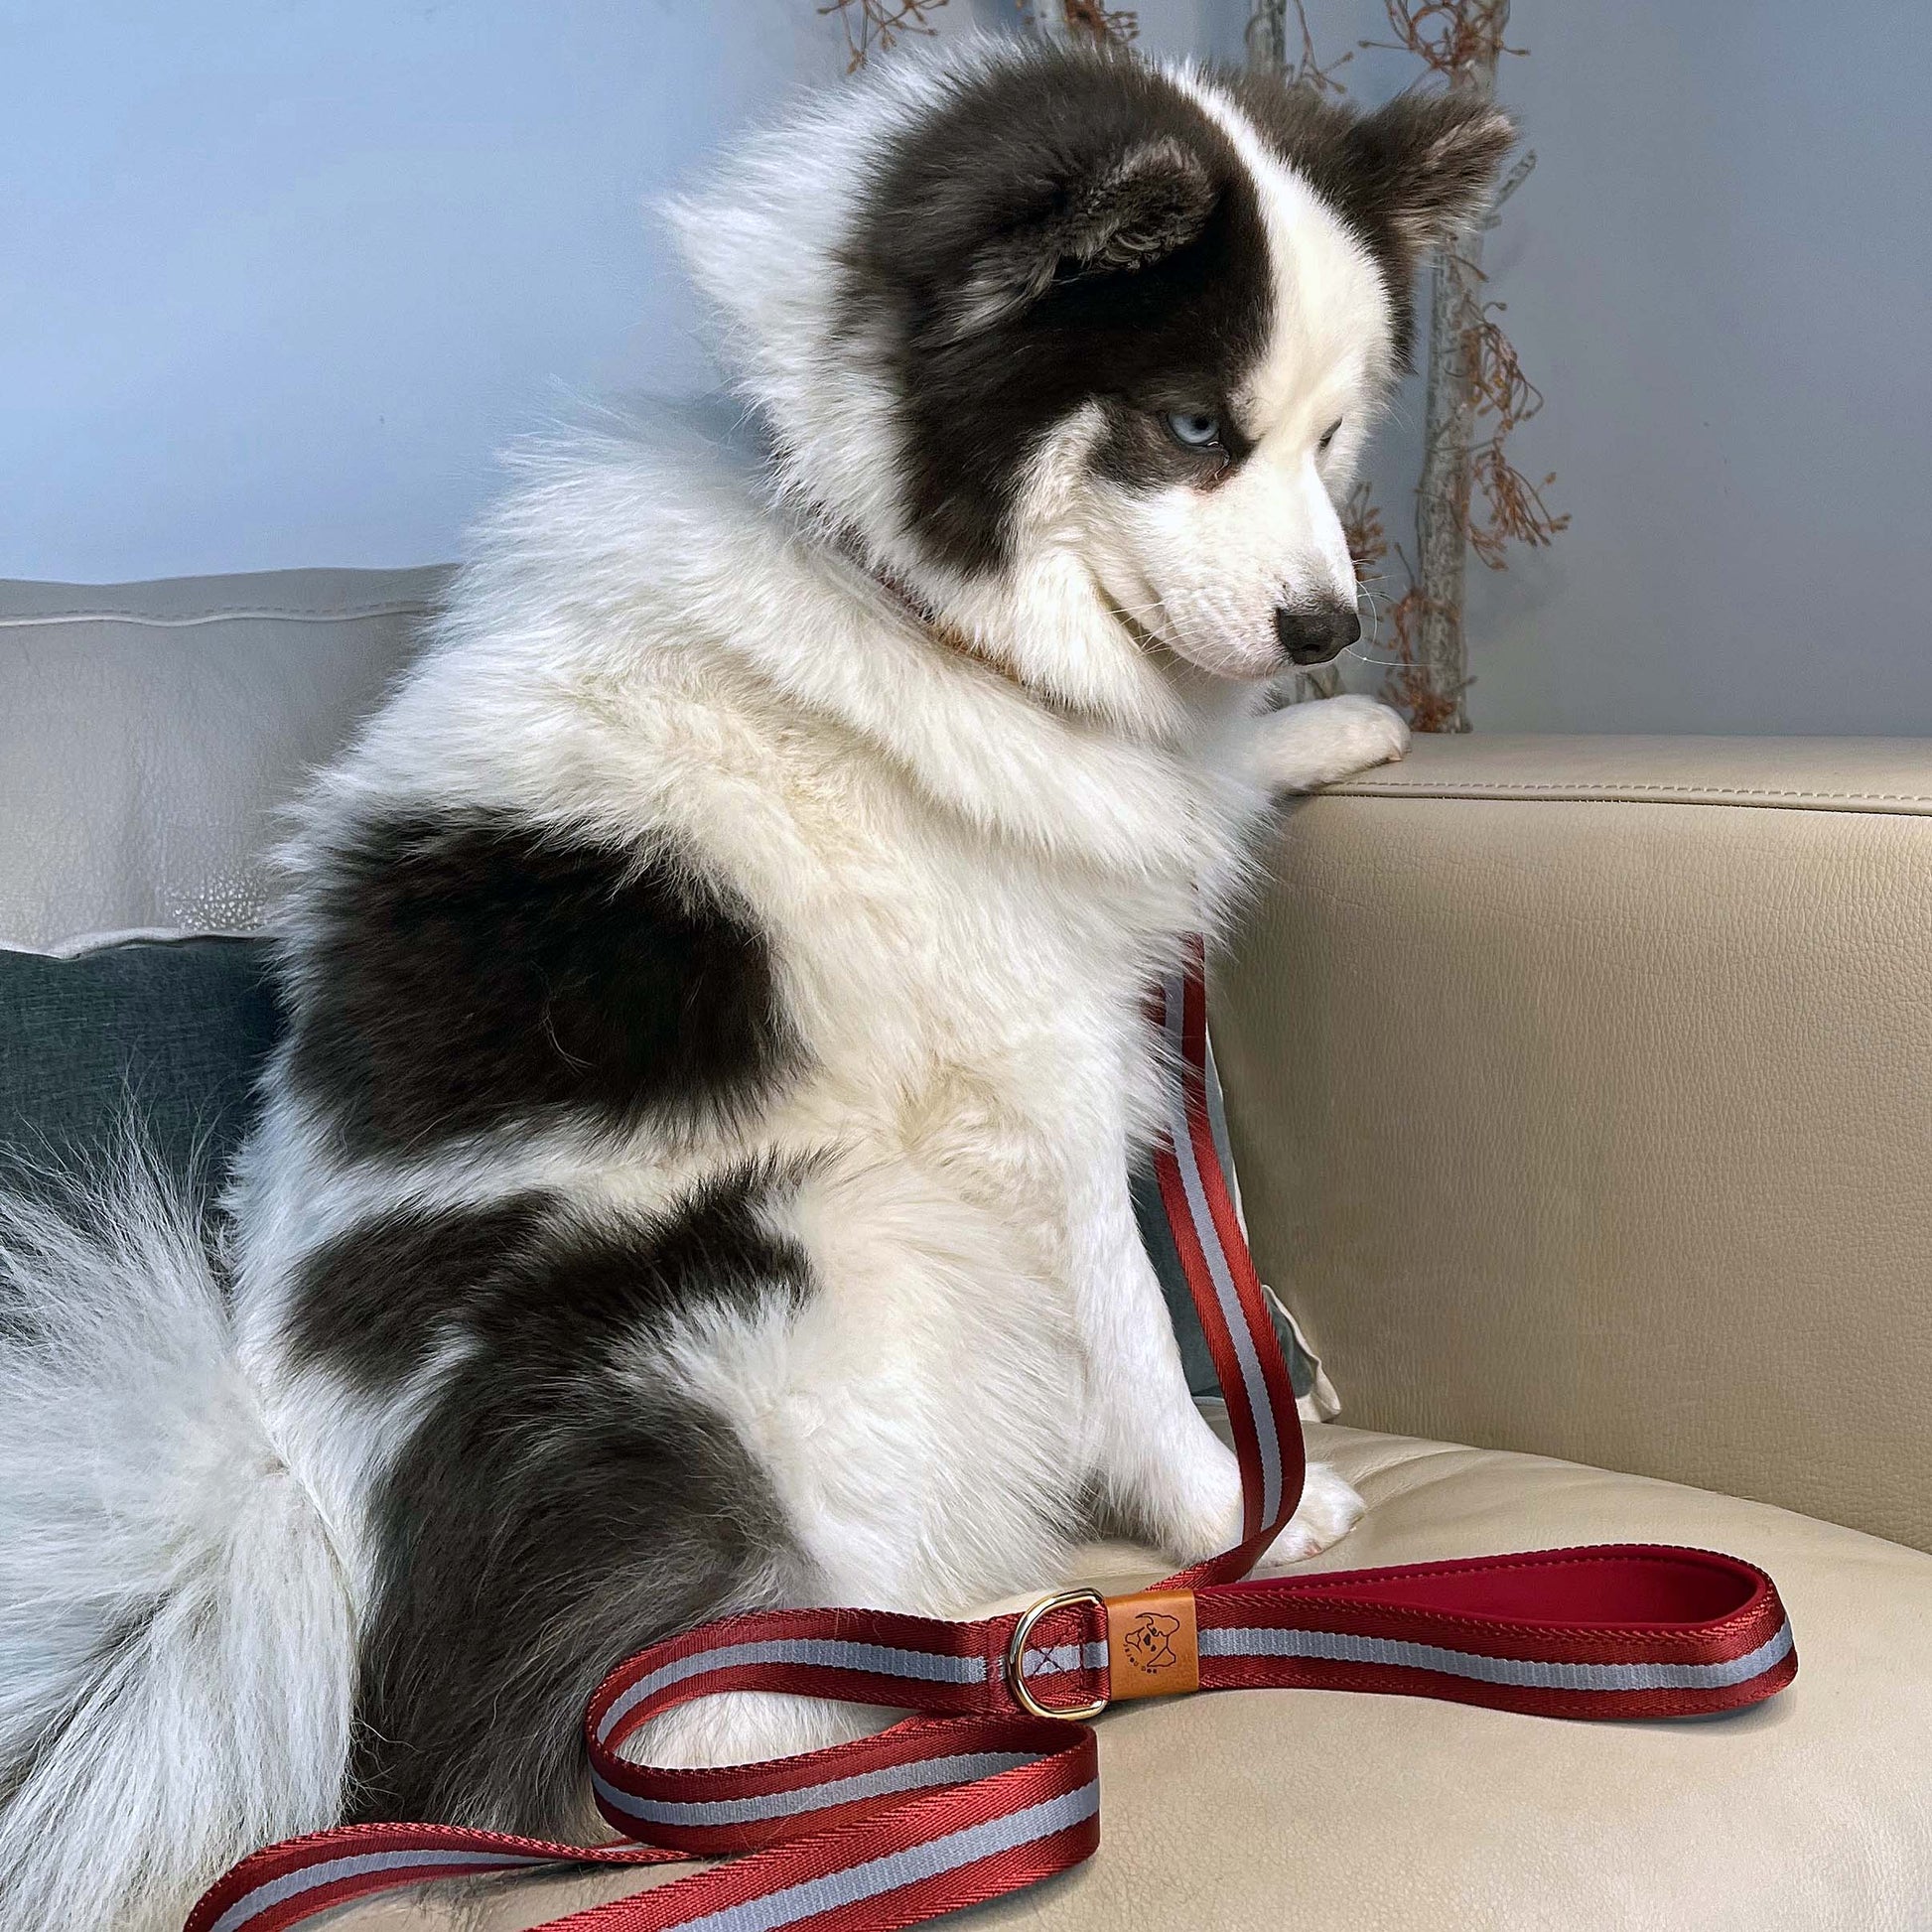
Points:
x=471 y=970
x=375 y=1302
x=551 y=1514
x=1404 y=177
x=1067 y=227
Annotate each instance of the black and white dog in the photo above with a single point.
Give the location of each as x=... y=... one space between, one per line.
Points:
x=696 y=1176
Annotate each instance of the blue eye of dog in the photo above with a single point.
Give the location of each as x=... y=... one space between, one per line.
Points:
x=1328 y=435
x=1195 y=429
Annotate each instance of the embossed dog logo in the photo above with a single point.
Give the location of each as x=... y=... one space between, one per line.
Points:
x=1150 y=1643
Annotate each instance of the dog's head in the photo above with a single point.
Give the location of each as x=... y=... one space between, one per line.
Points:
x=1087 y=350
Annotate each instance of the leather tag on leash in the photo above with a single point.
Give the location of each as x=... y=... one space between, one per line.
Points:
x=1152 y=1646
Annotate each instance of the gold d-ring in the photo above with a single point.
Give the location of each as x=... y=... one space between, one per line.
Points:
x=1017 y=1656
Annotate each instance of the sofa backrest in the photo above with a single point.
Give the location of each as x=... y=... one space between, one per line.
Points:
x=149 y=732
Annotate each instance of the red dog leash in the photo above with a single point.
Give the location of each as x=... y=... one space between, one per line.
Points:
x=995 y=1782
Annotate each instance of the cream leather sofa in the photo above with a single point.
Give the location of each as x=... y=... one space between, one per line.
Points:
x=1583 y=1095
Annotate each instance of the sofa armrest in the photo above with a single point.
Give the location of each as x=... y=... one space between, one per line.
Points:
x=1582 y=1090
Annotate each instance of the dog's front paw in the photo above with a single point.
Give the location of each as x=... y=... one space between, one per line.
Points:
x=1365 y=732
x=1213 y=1521
x=1329 y=1508
x=1200 y=1512
x=1311 y=744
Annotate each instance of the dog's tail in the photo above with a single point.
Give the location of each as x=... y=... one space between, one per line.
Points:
x=175 y=1631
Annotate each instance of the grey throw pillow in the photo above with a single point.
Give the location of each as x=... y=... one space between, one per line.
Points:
x=169 y=1034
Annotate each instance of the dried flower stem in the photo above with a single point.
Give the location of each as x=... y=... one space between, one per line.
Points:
x=1074 y=18
x=1470 y=495
x=1270 y=44
x=870 y=24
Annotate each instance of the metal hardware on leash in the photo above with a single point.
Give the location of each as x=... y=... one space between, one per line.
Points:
x=1057 y=1599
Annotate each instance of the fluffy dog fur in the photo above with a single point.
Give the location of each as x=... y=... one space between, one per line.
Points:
x=696 y=1176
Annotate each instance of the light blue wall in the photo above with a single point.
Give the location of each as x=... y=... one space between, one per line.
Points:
x=280 y=274
x=276 y=277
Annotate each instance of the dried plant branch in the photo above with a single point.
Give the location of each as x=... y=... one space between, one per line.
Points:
x=879 y=24
x=1361 y=525
x=1505 y=398
x=1470 y=496
x=1270 y=44
x=1511 y=182
x=1088 y=19
x=1117 y=24
x=1461 y=39
x=1422 y=700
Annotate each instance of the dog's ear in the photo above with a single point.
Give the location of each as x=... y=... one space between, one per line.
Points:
x=1426 y=162
x=1140 y=205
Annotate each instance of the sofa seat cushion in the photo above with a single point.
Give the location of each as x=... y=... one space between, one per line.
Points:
x=1251 y=1811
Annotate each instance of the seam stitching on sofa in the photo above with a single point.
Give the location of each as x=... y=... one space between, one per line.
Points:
x=405 y=609
x=1609 y=788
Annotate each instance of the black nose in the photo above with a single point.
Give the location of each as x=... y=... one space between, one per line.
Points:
x=1315 y=636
